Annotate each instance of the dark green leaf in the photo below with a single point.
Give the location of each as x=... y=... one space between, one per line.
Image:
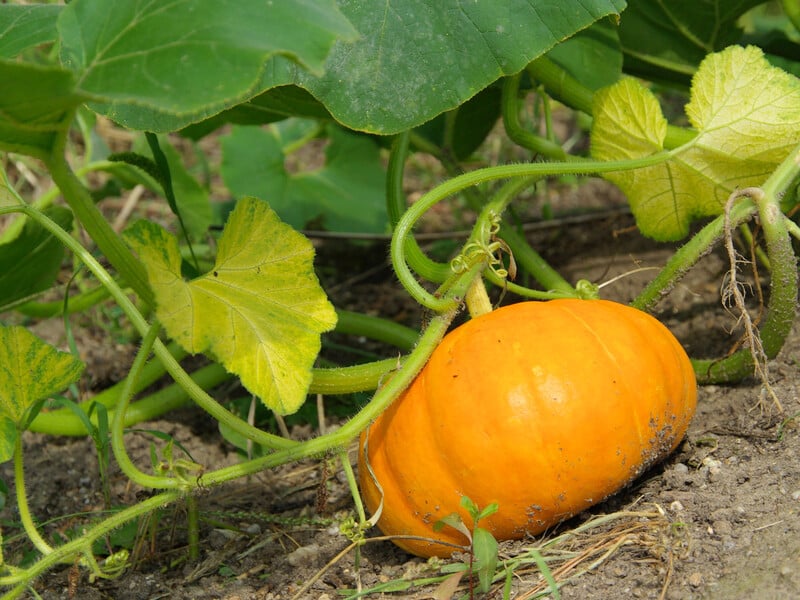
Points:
x=271 y=106
x=592 y=56
x=30 y=262
x=22 y=27
x=473 y=121
x=667 y=40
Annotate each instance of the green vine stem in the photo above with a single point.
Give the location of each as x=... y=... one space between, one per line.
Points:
x=117 y=429
x=452 y=186
x=77 y=303
x=25 y=516
x=687 y=255
x=396 y=206
x=83 y=544
x=516 y=132
x=172 y=366
x=295 y=451
x=532 y=262
x=562 y=86
x=52 y=421
x=337 y=380
x=391 y=389
x=792 y=10
x=109 y=243
x=781 y=311
x=373 y=373
x=376 y=328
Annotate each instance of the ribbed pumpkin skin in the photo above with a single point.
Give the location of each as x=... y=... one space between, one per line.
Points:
x=543 y=407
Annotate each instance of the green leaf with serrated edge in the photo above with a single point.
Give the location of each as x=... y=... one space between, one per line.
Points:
x=31 y=261
x=35 y=105
x=260 y=311
x=30 y=370
x=22 y=27
x=184 y=60
x=347 y=193
x=416 y=59
x=747 y=114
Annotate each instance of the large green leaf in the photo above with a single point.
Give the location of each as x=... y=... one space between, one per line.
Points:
x=260 y=311
x=747 y=115
x=347 y=193
x=418 y=58
x=31 y=261
x=184 y=60
x=31 y=370
x=667 y=40
x=24 y=26
x=35 y=104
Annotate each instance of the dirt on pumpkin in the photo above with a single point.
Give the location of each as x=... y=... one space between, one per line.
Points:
x=717 y=520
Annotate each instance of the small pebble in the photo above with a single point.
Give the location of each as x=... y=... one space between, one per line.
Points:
x=303 y=555
x=253 y=529
x=696 y=579
x=796 y=495
x=714 y=465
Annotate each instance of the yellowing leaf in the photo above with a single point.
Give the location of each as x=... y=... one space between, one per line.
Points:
x=30 y=370
x=260 y=311
x=747 y=115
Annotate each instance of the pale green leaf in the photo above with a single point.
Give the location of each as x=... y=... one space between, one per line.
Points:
x=260 y=311
x=30 y=370
x=747 y=116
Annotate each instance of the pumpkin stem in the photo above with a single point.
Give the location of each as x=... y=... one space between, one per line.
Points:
x=477 y=299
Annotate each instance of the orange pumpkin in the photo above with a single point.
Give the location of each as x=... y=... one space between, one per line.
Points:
x=543 y=407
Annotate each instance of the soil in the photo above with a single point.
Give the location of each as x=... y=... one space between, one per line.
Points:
x=717 y=520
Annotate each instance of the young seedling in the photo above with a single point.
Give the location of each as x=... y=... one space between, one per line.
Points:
x=482 y=544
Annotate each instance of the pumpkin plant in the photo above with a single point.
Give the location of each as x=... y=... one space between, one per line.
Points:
x=237 y=283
